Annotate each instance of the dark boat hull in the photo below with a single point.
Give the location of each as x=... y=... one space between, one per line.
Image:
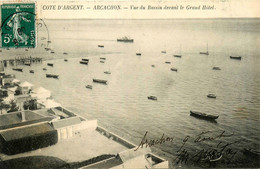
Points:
x=178 y=56
x=236 y=57
x=152 y=98
x=203 y=115
x=52 y=76
x=127 y=41
x=204 y=53
x=18 y=69
x=100 y=81
x=50 y=64
x=83 y=62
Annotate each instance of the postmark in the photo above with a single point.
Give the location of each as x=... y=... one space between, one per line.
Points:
x=18 y=25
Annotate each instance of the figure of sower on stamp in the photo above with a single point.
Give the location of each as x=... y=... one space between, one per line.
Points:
x=18 y=30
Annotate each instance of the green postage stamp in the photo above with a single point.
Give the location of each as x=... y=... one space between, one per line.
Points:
x=18 y=25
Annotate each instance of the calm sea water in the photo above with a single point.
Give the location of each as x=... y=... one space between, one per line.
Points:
x=122 y=105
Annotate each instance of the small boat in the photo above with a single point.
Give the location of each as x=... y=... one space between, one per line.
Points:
x=174 y=69
x=168 y=62
x=48 y=41
x=205 y=53
x=152 y=97
x=83 y=62
x=103 y=58
x=153 y=65
x=216 y=68
x=65 y=60
x=89 y=86
x=252 y=153
x=26 y=49
x=101 y=61
x=47 y=49
x=52 y=76
x=50 y=64
x=177 y=56
x=52 y=52
x=31 y=71
x=138 y=54
x=44 y=69
x=125 y=39
x=164 y=51
x=100 y=81
x=27 y=64
x=100 y=46
x=236 y=57
x=18 y=69
x=203 y=115
x=212 y=96
x=65 y=53
x=85 y=59
x=107 y=72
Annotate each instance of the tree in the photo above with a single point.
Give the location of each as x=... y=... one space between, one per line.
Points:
x=4 y=106
x=13 y=107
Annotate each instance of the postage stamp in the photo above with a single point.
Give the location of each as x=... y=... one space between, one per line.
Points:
x=18 y=25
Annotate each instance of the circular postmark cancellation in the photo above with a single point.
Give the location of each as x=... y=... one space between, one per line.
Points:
x=18 y=25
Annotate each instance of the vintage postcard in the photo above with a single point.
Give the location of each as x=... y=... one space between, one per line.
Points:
x=129 y=84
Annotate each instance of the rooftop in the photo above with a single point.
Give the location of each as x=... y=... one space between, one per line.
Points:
x=86 y=145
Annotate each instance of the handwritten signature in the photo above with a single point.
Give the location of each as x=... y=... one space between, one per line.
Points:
x=212 y=154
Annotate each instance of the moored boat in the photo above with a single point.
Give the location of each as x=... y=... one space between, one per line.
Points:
x=203 y=115
x=216 y=68
x=66 y=60
x=138 y=54
x=167 y=62
x=153 y=65
x=174 y=69
x=152 y=97
x=89 y=86
x=164 y=51
x=178 y=56
x=31 y=71
x=100 y=81
x=44 y=69
x=125 y=39
x=27 y=64
x=83 y=62
x=102 y=58
x=205 y=53
x=107 y=72
x=65 y=53
x=52 y=76
x=211 y=96
x=101 y=61
x=18 y=69
x=50 y=64
x=100 y=46
x=236 y=57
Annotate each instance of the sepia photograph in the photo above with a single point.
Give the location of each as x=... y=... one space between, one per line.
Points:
x=129 y=84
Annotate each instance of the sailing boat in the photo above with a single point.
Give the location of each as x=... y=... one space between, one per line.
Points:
x=178 y=56
x=205 y=53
